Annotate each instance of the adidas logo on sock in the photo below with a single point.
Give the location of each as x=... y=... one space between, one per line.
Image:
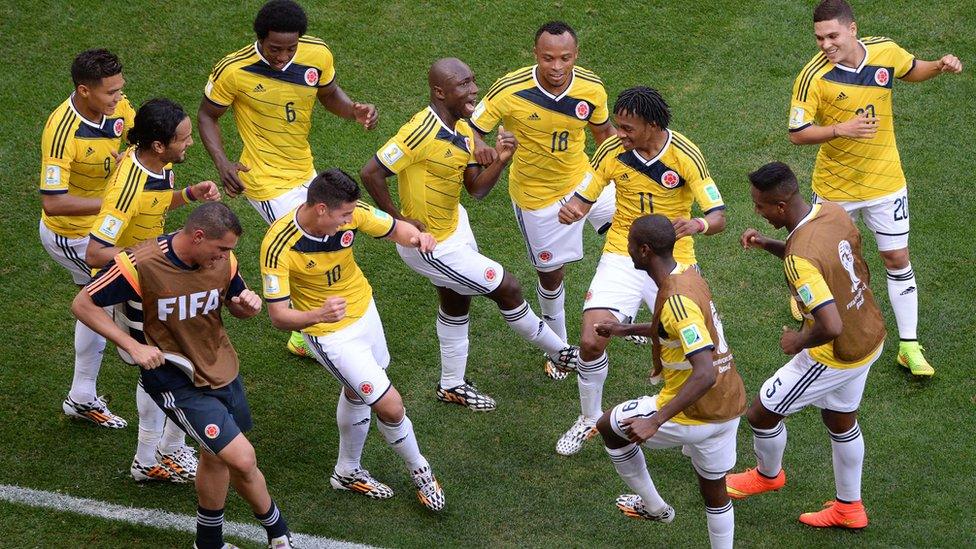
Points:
x=549 y=318
x=259 y=88
x=363 y=422
x=908 y=290
x=841 y=97
x=534 y=116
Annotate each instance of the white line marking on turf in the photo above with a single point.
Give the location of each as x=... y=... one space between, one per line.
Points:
x=153 y=517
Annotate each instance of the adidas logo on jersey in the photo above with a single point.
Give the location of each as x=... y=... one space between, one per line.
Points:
x=624 y=177
x=448 y=154
x=90 y=151
x=841 y=97
x=259 y=88
x=534 y=116
x=310 y=264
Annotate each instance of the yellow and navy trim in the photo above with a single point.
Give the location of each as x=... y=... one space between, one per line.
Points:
x=806 y=76
x=692 y=151
x=280 y=244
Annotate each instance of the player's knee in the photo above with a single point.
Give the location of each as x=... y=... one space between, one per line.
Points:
x=895 y=259
x=761 y=418
x=591 y=344
x=389 y=408
x=242 y=461
x=610 y=438
x=551 y=280
x=508 y=294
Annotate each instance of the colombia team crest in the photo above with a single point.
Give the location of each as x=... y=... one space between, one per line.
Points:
x=347 y=238
x=311 y=77
x=670 y=179
x=212 y=431
x=545 y=256
x=366 y=388
x=490 y=274
x=881 y=77
x=582 y=110
x=118 y=127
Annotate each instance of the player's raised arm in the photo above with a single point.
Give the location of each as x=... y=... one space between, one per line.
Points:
x=924 y=70
x=479 y=180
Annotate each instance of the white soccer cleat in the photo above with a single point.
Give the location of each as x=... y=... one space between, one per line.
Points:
x=567 y=359
x=572 y=440
x=552 y=372
x=429 y=491
x=633 y=506
x=95 y=411
x=153 y=472
x=280 y=542
x=181 y=463
x=361 y=482
x=467 y=395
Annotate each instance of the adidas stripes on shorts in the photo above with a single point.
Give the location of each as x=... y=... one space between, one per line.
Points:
x=68 y=252
x=803 y=382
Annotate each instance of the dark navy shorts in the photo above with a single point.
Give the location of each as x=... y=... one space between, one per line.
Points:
x=213 y=417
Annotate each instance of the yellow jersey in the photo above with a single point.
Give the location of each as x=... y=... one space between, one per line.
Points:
x=76 y=158
x=825 y=94
x=135 y=205
x=273 y=111
x=429 y=159
x=309 y=269
x=550 y=129
x=667 y=184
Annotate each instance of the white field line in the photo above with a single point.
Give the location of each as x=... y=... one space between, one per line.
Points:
x=153 y=517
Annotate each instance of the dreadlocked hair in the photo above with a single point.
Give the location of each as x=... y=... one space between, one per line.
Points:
x=646 y=103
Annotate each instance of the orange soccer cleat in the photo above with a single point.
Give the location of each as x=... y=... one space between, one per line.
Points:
x=838 y=514
x=750 y=482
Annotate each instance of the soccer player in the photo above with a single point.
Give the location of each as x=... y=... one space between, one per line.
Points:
x=134 y=210
x=656 y=170
x=548 y=107
x=842 y=336
x=432 y=156
x=307 y=257
x=272 y=86
x=703 y=395
x=842 y=101
x=79 y=147
x=183 y=280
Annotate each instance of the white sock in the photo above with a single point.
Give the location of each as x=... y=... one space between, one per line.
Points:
x=848 y=458
x=590 y=378
x=89 y=348
x=769 y=445
x=353 y=420
x=401 y=438
x=552 y=303
x=452 y=333
x=151 y=420
x=173 y=437
x=524 y=321
x=903 y=293
x=630 y=465
x=721 y=525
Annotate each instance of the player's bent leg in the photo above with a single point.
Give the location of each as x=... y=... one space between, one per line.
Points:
x=248 y=480
x=452 y=335
x=145 y=466
x=523 y=320
x=353 y=418
x=769 y=443
x=592 y=368
x=211 y=484
x=398 y=431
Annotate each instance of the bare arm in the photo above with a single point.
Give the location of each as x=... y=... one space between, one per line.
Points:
x=97 y=255
x=751 y=238
x=205 y=190
x=924 y=70
x=861 y=126
x=602 y=131
x=335 y=100
x=619 y=329
x=94 y=317
x=373 y=176
x=207 y=117
x=479 y=180
x=68 y=204
x=285 y=318
x=712 y=223
x=826 y=326
x=245 y=305
x=406 y=234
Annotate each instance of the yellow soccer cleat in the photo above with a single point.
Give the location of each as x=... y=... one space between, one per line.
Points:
x=298 y=347
x=910 y=356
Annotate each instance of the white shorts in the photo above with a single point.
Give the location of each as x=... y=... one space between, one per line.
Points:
x=802 y=382
x=278 y=206
x=711 y=445
x=618 y=287
x=551 y=244
x=886 y=217
x=356 y=356
x=455 y=263
x=68 y=252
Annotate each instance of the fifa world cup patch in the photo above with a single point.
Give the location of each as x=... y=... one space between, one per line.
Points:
x=212 y=431
x=806 y=296
x=479 y=110
x=584 y=183
x=110 y=227
x=690 y=335
x=391 y=154
x=271 y=284
x=711 y=191
x=797 y=115
x=52 y=176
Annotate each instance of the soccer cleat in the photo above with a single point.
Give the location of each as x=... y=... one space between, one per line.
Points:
x=280 y=542
x=637 y=339
x=95 y=411
x=298 y=347
x=750 y=483
x=156 y=471
x=572 y=440
x=910 y=356
x=633 y=506
x=224 y=546
x=429 y=491
x=795 y=310
x=181 y=463
x=360 y=481
x=466 y=394
x=553 y=372
x=566 y=359
x=837 y=514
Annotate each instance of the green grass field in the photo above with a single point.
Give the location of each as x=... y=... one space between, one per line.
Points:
x=726 y=68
